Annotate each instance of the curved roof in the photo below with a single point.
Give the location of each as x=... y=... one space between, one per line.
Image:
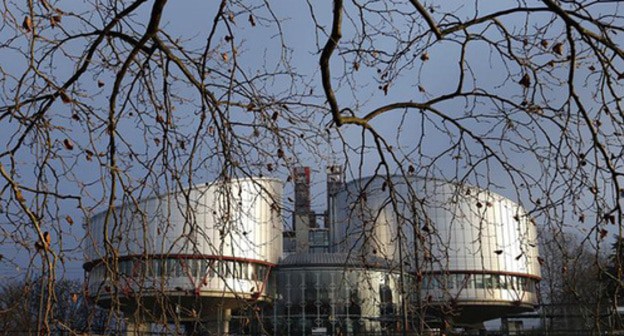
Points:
x=367 y=179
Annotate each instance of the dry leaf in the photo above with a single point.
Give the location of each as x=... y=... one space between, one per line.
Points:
x=69 y=220
x=45 y=4
x=100 y=83
x=603 y=233
x=421 y=88
x=544 y=43
x=159 y=119
x=274 y=116
x=356 y=66
x=55 y=19
x=225 y=57
x=425 y=228
x=69 y=145
x=74 y=297
x=385 y=89
x=19 y=196
x=424 y=57
x=280 y=153
x=558 y=48
x=525 y=81
x=47 y=239
x=252 y=21
x=27 y=24
x=89 y=155
x=64 y=97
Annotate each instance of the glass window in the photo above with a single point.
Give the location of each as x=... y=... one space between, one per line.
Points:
x=137 y=268
x=467 y=281
x=192 y=268
x=522 y=284
x=450 y=281
x=157 y=266
x=211 y=268
x=120 y=267
x=245 y=271
x=253 y=272
x=237 y=268
x=503 y=281
x=478 y=279
x=261 y=272
x=172 y=267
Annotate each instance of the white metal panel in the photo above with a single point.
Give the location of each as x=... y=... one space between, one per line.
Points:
x=462 y=229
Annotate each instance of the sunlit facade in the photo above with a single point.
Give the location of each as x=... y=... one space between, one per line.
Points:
x=394 y=254
x=204 y=248
x=472 y=253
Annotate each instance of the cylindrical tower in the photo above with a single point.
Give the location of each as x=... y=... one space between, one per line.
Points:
x=198 y=252
x=472 y=254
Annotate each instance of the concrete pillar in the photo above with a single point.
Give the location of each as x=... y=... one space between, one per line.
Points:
x=302 y=222
x=227 y=317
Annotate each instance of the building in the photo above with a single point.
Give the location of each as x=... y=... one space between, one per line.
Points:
x=471 y=254
x=395 y=255
x=190 y=256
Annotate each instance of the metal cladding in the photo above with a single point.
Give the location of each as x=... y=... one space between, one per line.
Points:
x=465 y=248
x=218 y=240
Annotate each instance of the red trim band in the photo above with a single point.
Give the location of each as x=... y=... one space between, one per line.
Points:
x=522 y=275
x=89 y=265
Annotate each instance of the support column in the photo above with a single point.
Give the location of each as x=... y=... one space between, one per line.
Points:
x=227 y=316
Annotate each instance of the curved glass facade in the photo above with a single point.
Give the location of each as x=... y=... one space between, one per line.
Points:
x=335 y=299
x=186 y=267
